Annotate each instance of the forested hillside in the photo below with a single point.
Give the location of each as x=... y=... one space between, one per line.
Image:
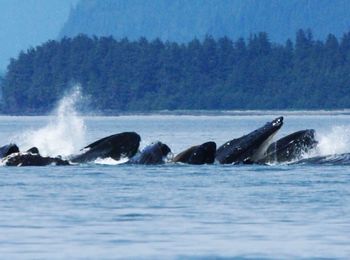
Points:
x=211 y=74
x=183 y=20
x=1 y=83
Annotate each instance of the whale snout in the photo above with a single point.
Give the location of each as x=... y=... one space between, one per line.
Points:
x=278 y=122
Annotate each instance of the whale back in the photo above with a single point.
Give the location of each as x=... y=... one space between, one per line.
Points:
x=116 y=146
x=204 y=154
x=30 y=159
x=291 y=147
x=8 y=149
x=152 y=154
x=198 y=154
x=33 y=150
x=184 y=156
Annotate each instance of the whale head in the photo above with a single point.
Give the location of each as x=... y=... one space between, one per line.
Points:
x=250 y=147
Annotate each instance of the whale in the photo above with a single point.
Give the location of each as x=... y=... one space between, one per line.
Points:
x=8 y=149
x=32 y=157
x=248 y=148
x=198 y=154
x=291 y=147
x=29 y=159
x=154 y=153
x=117 y=146
x=33 y=150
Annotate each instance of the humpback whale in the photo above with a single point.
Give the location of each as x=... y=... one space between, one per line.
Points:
x=115 y=146
x=8 y=149
x=32 y=158
x=291 y=147
x=199 y=154
x=250 y=148
x=246 y=148
x=152 y=154
x=29 y=159
x=33 y=150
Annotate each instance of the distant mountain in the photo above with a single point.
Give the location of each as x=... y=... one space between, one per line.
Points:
x=183 y=20
x=26 y=23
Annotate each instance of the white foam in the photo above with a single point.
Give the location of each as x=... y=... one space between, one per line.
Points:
x=334 y=141
x=65 y=132
x=110 y=161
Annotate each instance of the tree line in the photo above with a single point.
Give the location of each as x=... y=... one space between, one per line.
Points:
x=222 y=74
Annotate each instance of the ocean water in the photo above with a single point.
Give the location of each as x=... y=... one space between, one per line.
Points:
x=106 y=210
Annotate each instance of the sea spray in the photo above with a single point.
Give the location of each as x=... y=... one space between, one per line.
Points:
x=334 y=141
x=111 y=161
x=65 y=132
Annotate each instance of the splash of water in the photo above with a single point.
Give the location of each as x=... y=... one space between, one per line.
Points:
x=65 y=132
x=335 y=141
x=111 y=161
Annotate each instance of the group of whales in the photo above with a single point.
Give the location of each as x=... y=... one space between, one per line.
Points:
x=252 y=148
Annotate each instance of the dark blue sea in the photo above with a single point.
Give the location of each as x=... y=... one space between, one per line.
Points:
x=110 y=210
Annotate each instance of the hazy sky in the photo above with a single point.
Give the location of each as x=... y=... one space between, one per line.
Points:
x=26 y=23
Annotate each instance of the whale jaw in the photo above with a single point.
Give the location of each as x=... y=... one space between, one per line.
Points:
x=246 y=148
x=291 y=147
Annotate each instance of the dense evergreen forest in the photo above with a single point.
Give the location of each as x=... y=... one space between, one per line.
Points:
x=1 y=83
x=183 y=20
x=123 y=75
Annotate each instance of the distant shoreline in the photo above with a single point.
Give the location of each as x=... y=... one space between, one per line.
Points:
x=197 y=113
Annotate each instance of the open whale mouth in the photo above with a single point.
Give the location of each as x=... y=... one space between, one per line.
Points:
x=267 y=134
x=250 y=147
x=262 y=149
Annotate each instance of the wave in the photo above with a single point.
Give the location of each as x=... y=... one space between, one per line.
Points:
x=333 y=159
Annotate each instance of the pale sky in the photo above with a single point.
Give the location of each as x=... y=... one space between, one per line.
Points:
x=27 y=23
